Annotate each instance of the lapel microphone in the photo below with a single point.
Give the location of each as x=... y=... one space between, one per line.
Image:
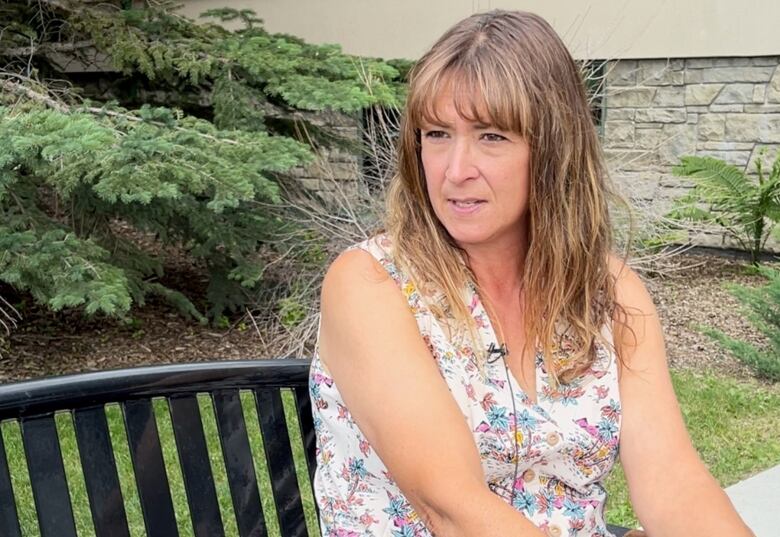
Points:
x=498 y=352
x=494 y=355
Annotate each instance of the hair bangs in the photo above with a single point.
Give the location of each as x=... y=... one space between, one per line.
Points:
x=481 y=91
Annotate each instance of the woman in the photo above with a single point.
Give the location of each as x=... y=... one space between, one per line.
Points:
x=482 y=360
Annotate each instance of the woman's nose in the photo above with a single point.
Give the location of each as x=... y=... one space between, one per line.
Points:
x=460 y=164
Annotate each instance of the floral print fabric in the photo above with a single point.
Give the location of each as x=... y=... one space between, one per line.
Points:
x=567 y=441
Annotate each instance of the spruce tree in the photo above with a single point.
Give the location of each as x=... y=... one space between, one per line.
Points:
x=188 y=135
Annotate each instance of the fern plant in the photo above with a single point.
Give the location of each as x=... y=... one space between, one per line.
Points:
x=745 y=209
x=763 y=308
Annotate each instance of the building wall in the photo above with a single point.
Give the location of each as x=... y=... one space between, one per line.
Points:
x=657 y=111
x=605 y=29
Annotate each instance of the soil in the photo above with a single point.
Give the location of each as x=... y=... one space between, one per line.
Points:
x=690 y=293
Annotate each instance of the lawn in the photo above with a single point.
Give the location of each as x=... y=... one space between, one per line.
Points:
x=733 y=424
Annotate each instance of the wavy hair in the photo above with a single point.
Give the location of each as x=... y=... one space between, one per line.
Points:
x=513 y=67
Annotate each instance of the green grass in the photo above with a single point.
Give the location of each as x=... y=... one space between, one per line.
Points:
x=15 y=455
x=733 y=425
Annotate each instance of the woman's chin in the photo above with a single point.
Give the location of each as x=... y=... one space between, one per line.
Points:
x=470 y=237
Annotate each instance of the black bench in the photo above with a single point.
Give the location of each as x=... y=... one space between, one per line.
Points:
x=33 y=405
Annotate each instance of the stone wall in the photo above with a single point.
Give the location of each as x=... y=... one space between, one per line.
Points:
x=659 y=110
x=335 y=167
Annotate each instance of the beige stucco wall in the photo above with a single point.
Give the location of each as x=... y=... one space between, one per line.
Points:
x=601 y=29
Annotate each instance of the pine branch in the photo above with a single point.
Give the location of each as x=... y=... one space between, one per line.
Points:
x=42 y=98
x=20 y=89
x=46 y=48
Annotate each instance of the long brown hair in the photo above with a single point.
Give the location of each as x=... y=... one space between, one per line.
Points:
x=526 y=82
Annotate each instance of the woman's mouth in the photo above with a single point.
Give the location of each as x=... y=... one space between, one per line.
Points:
x=465 y=206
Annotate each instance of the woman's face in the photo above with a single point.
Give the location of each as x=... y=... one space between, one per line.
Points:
x=477 y=178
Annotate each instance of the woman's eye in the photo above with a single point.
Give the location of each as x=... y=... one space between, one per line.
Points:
x=435 y=134
x=493 y=137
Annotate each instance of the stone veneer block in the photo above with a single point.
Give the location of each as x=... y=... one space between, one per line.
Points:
x=701 y=94
x=679 y=140
x=661 y=73
x=630 y=98
x=710 y=240
x=759 y=93
x=772 y=151
x=309 y=183
x=661 y=115
x=763 y=128
x=728 y=74
x=773 y=90
x=669 y=96
x=712 y=127
x=617 y=114
x=622 y=73
x=699 y=63
x=341 y=170
x=649 y=139
x=637 y=185
x=621 y=160
x=736 y=158
x=735 y=93
x=669 y=180
x=731 y=62
x=762 y=108
x=727 y=146
x=766 y=60
x=619 y=134
x=720 y=108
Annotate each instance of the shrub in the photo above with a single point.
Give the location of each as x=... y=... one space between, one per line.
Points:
x=188 y=144
x=763 y=308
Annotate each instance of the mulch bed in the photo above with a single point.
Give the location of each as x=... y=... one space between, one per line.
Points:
x=47 y=343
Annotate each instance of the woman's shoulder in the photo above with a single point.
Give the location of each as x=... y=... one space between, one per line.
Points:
x=362 y=280
x=362 y=265
x=630 y=291
x=368 y=256
x=636 y=320
x=379 y=245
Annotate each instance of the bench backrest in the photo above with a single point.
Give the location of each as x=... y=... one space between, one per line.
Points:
x=85 y=396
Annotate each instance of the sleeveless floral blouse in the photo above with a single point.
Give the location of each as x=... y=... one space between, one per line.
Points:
x=567 y=441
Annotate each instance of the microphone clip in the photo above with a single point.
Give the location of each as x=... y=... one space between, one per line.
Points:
x=498 y=352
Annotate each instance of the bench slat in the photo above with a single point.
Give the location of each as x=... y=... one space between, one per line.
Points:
x=47 y=477
x=9 y=517
x=281 y=466
x=195 y=466
x=617 y=531
x=153 y=490
x=306 y=422
x=100 y=474
x=238 y=464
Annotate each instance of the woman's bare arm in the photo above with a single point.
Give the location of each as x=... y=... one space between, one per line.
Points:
x=671 y=490
x=391 y=385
